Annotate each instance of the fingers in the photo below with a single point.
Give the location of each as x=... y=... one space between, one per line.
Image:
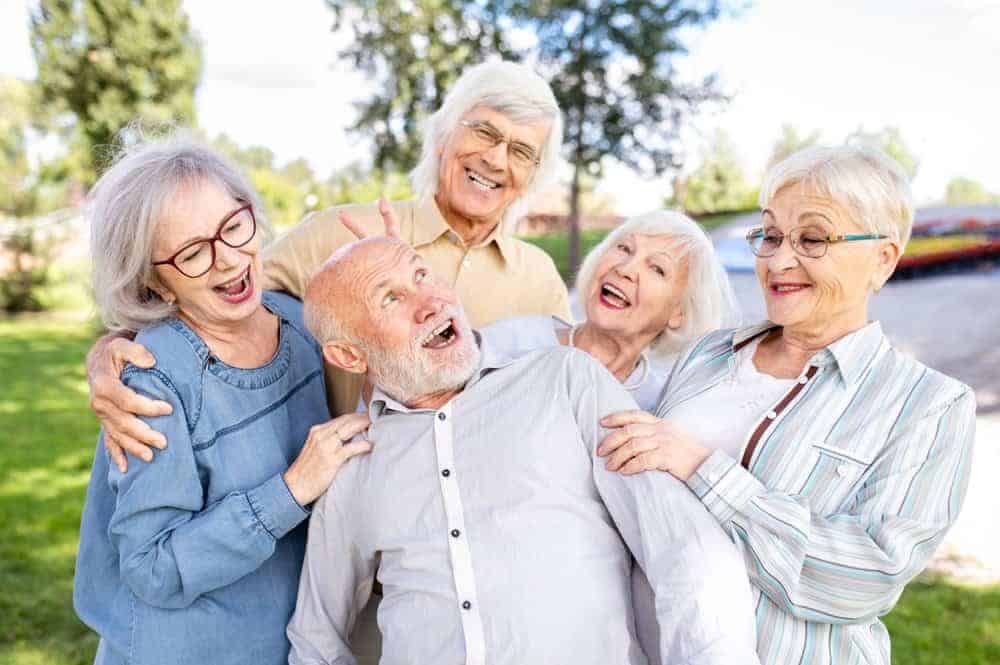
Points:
x=634 y=447
x=127 y=429
x=349 y=450
x=115 y=453
x=627 y=417
x=126 y=351
x=139 y=405
x=642 y=462
x=352 y=226
x=621 y=435
x=388 y=218
x=353 y=424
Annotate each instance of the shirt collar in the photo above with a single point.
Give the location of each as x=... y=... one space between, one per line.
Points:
x=850 y=354
x=491 y=357
x=429 y=225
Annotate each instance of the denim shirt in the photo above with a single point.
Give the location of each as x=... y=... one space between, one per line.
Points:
x=195 y=557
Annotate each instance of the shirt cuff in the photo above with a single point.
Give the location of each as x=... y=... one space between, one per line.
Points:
x=274 y=506
x=724 y=486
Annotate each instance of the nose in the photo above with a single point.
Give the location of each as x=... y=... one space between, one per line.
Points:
x=496 y=157
x=225 y=256
x=783 y=259
x=626 y=268
x=428 y=307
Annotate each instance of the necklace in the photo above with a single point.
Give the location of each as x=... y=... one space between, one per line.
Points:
x=642 y=361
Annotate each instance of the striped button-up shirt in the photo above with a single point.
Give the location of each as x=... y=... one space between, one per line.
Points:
x=502 y=538
x=842 y=493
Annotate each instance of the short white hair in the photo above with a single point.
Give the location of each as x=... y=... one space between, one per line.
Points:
x=512 y=89
x=124 y=208
x=708 y=299
x=868 y=183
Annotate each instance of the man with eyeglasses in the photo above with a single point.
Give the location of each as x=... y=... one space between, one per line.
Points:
x=487 y=150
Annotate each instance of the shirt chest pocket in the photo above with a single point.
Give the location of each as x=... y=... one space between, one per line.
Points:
x=836 y=475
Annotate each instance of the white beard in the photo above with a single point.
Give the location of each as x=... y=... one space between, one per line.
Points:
x=408 y=376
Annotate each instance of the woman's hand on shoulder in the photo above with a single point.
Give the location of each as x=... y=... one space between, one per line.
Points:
x=118 y=407
x=325 y=451
x=639 y=441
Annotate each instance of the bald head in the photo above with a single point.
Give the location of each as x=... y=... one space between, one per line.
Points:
x=335 y=306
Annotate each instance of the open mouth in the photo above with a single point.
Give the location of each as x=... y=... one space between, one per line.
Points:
x=442 y=336
x=785 y=289
x=481 y=181
x=614 y=297
x=238 y=289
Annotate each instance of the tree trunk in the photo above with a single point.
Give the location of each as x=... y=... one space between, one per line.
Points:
x=574 y=223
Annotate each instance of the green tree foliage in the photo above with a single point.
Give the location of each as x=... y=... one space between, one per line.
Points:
x=612 y=66
x=414 y=50
x=889 y=140
x=106 y=63
x=16 y=194
x=791 y=142
x=964 y=191
x=719 y=183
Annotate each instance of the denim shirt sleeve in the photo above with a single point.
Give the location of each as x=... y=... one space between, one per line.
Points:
x=703 y=602
x=173 y=548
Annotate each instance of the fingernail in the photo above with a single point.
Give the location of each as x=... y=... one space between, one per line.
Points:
x=148 y=456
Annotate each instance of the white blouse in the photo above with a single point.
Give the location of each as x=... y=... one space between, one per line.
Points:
x=727 y=413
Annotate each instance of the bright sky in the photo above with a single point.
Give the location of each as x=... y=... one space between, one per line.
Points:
x=929 y=67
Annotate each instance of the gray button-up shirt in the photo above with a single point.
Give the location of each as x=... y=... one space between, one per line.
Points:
x=502 y=538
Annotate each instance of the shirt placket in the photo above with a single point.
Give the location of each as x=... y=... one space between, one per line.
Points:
x=458 y=545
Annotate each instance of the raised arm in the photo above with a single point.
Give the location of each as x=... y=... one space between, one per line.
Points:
x=336 y=582
x=703 y=601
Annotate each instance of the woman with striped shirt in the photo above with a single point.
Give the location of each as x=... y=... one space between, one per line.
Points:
x=835 y=462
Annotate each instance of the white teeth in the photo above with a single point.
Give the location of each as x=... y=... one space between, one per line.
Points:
x=480 y=180
x=434 y=333
x=616 y=291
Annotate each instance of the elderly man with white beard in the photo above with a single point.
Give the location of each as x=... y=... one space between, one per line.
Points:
x=498 y=534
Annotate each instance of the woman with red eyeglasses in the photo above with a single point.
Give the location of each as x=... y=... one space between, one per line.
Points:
x=195 y=557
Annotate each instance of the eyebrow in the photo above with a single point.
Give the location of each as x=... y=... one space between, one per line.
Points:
x=222 y=220
x=385 y=282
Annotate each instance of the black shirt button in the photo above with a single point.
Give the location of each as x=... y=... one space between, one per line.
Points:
x=441 y=416
x=466 y=605
x=455 y=533
x=445 y=472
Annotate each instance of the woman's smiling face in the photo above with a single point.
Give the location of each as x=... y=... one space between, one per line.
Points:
x=638 y=287
x=229 y=291
x=828 y=293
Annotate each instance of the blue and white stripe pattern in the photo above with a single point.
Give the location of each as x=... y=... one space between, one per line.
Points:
x=846 y=495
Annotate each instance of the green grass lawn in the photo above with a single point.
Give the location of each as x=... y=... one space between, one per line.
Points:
x=48 y=443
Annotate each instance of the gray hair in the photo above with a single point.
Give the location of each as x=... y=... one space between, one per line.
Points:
x=869 y=183
x=509 y=88
x=124 y=208
x=708 y=300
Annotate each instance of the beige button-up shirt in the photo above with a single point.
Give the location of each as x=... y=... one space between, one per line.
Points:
x=500 y=277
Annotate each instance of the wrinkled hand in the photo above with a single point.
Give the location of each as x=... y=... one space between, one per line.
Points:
x=324 y=453
x=641 y=442
x=117 y=406
x=389 y=219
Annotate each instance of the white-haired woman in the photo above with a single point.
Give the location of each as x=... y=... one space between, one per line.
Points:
x=195 y=557
x=492 y=144
x=835 y=462
x=651 y=286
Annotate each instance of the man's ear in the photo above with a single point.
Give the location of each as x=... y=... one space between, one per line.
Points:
x=347 y=356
